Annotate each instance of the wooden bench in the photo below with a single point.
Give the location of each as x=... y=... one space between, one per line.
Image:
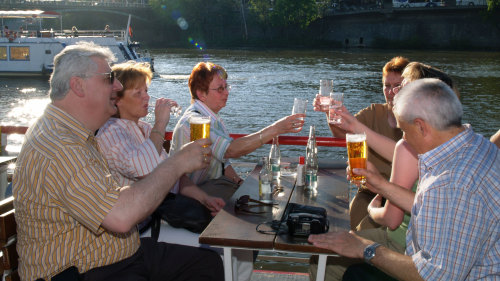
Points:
x=8 y=266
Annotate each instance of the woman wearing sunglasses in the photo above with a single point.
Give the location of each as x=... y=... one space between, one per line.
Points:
x=132 y=147
x=209 y=94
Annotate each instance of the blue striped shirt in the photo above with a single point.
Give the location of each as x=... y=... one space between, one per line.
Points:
x=454 y=229
x=219 y=136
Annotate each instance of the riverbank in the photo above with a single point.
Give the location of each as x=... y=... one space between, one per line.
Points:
x=469 y=28
x=439 y=28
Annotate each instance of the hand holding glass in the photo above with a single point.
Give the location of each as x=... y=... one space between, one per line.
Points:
x=356 y=154
x=175 y=111
x=336 y=102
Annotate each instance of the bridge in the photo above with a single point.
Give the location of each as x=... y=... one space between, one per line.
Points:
x=138 y=8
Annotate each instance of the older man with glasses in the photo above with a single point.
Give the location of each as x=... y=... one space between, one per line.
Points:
x=74 y=222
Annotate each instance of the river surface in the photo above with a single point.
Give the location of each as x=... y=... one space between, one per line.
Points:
x=265 y=82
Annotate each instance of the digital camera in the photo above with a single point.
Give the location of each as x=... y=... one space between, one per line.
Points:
x=303 y=220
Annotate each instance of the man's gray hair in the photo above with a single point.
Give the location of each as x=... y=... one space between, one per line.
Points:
x=75 y=60
x=431 y=100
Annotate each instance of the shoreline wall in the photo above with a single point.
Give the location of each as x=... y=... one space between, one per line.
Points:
x=439 y=28
x=404 y=28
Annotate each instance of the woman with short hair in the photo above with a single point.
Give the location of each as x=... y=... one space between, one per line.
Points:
x=209 y=94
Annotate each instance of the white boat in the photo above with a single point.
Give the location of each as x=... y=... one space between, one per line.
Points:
x=31 y=51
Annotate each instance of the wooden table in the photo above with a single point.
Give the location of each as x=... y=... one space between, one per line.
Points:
x=235 y=230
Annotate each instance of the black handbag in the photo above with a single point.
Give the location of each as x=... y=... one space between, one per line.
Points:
x=184 y=212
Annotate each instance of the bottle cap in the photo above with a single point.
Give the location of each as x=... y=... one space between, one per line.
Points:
x=302 y=160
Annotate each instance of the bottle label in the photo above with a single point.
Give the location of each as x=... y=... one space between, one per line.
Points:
x=275 y=168
x=311 y=179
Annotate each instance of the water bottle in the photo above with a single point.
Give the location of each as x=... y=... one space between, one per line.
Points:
x=275 y=159
x=265 y=192
x=311 y=161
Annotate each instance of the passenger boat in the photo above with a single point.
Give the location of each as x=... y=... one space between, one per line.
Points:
x=30 y=51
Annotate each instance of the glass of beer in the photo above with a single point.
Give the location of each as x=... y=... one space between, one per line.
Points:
x=200 y=127
x=356 y=153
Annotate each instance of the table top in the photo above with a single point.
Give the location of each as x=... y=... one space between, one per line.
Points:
x=7 y=159
x=231 y=228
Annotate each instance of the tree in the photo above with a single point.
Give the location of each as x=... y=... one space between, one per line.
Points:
x=295 y=12
x=493 y=12
x=283 y=13
x=202 y=20
x=493 y=5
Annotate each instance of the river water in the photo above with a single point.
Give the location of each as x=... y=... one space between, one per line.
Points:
x=265 y=82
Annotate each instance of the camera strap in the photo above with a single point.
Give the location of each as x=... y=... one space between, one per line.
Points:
x=276 y=227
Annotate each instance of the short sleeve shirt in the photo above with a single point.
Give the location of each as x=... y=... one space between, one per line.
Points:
x=454 y=231
x=63 y=190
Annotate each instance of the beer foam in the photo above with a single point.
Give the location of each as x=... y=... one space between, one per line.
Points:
x=199 y=120
x=355 y=137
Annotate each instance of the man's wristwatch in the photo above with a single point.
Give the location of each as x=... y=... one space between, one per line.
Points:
x=369 y=252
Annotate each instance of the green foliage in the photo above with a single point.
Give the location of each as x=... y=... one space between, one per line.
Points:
x=262 y=9
x=198 y=18
x=283 y=13
x=493 y=13
x=493 y=5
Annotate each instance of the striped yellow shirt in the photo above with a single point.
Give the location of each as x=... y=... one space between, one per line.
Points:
x=63 y=189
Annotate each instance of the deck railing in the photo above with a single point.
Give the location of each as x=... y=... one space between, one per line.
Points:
x=283 y=140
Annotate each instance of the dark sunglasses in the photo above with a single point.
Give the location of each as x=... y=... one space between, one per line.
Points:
x=243 y=205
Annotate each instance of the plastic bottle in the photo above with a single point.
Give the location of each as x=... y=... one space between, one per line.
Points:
x=311 y=161
x=301 y=172
x=265 y=192
x=275 y=159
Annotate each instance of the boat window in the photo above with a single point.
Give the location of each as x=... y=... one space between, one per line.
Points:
x=3 y=53
x=19 y=53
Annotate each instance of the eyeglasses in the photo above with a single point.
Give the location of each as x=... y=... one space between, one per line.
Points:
x=110 y=76
x=221 y=89
x=396 y=90
x=243 y=205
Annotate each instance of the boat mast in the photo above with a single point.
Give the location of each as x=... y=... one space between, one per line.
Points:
x=128 y=29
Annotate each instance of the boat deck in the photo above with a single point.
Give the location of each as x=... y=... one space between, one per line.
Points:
x=262 y=275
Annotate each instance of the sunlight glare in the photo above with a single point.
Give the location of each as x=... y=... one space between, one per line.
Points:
x=27 y=111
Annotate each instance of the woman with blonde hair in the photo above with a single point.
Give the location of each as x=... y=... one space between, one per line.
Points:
x=132 y=147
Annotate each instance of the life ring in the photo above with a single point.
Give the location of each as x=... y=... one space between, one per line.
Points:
x=12 y=36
